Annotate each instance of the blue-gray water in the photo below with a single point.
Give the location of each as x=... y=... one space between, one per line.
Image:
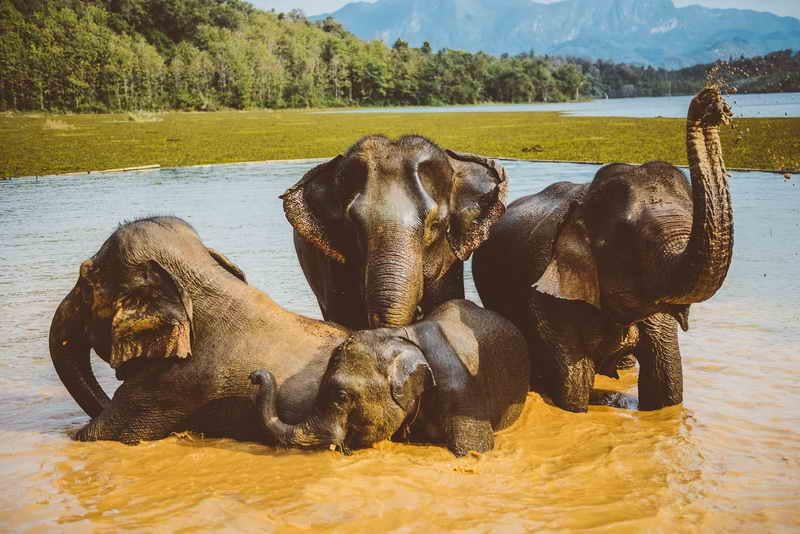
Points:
x=746 y=106
x=729 y=458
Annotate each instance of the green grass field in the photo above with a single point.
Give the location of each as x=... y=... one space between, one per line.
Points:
x=40 y=144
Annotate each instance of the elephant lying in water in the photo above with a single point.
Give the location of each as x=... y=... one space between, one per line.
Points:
x=456 y=377
x=591 y=272
x=183 y=330
x=382 y=231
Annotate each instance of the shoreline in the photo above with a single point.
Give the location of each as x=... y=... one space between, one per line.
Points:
x=158 y=167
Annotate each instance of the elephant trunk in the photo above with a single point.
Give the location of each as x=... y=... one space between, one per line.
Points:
x=393 y=278
x=311 y=433
x=70 y=351
x=707 y=257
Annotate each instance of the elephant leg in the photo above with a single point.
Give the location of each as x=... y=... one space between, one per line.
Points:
x=134 y=416
x=465 y=433
x=660 y=373
x=558 y=351
x=573 y=384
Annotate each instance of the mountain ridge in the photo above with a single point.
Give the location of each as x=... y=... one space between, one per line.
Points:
x=653 y=32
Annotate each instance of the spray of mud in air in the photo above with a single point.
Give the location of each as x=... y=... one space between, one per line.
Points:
x=731 y=76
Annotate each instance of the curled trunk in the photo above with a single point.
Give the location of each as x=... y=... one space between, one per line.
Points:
x=393 y=278
x=70 y=351
x=311 y=433
x=705 y=262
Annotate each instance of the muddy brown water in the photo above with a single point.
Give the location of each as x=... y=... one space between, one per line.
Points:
x=729 y=458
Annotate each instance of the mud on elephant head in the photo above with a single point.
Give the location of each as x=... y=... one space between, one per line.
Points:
x=382 y=231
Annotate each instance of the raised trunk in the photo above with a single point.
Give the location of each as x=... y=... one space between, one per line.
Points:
x=393 y=279
x=705 y=263
x=310 y=433
x=70 y=351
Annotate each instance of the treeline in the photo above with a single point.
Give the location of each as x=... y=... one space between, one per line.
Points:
x=776 y=72
x=113 y=55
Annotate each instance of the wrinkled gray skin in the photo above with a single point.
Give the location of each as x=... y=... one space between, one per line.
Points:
x=456 y=377
x=593 y=272
x=183 y=330
x=382 y=232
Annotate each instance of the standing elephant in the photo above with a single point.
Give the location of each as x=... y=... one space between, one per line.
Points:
x=592 y=272
x=381 y=232
x=183 y=330
x=456 y=377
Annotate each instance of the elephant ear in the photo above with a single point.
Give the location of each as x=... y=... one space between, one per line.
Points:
x=227 y=264
x=410 y=376
x=572 y=271
x=309 y=205
x=476 y=201
x=152 y=318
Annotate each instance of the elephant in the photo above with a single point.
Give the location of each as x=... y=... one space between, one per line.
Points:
x=183 y=330
x=455 y=377
x=594 y=272
x=382 y=231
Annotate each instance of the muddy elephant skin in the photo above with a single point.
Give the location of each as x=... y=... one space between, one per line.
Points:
x=183 y=330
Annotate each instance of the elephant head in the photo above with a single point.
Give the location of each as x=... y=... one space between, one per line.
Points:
x=371 y=387
x=640 y=240
x=402 y=213
x=129 y=306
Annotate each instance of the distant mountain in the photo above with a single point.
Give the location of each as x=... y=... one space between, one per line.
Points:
x=651 y=32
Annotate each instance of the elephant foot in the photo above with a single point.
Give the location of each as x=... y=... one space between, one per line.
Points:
x=93 y=431
x=85 y=434
x=466 y=434
x=112 y=425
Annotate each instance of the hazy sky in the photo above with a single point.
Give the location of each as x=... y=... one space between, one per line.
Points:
x=314 y=7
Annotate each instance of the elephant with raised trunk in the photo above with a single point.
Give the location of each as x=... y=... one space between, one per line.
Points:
x=183 y=330
x=456 y=377
x=593 y=272
x=382 y=231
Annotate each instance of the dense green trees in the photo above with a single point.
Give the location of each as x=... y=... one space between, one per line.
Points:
x=105 y=55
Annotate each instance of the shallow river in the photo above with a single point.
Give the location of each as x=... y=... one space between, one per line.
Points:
x=729 y=458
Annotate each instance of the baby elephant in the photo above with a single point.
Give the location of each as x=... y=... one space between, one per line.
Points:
x=456 y=377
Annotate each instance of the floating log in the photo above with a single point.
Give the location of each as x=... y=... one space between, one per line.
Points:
x=130 y=169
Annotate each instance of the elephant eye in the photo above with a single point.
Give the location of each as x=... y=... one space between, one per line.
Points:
x=434 y=229
x=342 y=396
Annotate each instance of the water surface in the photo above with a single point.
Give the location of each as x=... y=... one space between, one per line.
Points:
x=747 y=106
x=729 y=458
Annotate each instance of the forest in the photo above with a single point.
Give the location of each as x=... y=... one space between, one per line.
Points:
x=119 y=55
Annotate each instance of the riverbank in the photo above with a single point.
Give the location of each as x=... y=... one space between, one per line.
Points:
x=42 y=144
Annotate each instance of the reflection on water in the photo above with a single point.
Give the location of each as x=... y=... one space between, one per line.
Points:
x=751 y=106
x=728 y=458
